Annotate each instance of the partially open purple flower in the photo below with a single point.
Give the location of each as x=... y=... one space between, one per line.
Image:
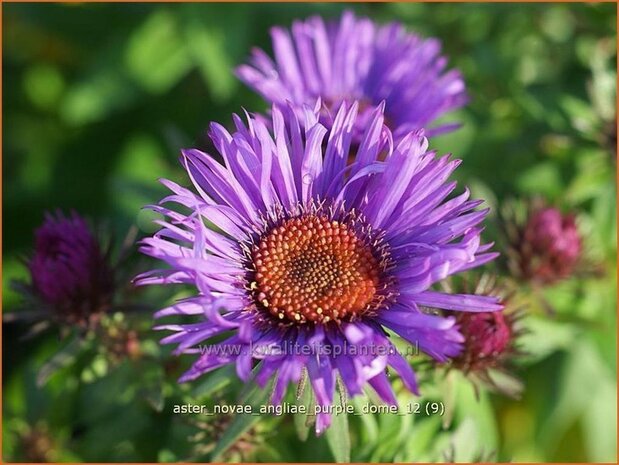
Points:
x=552 y=245
x=487 y=335
x=490 y=338
x=70 y=274
x=308 y=260
x=356 y=59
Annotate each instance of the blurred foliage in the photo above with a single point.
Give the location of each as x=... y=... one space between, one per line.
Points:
x=98 y=100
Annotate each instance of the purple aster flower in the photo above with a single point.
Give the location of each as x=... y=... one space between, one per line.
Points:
x=69 y=272
x=555 y=244
x=491 y=339
x=545 y=245
x=488 y=335
x=357 y=60
x=310 y=260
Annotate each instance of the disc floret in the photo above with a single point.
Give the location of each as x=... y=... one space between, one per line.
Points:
x=318 y=267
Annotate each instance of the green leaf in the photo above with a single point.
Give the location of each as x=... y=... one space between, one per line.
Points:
x=592 y=176
x=462 y=138
x=543 y=178
x=241 y=423
x=96 y=96
x=64 y=357
x=338 y=438
x=206 y=44
x=544 y=336
x=13 y=270
x=154 y=396
x=166 y=456
x=44 y=85
x=581 y=377
x=481 y=412
x=370 y=429
x=156 y=56
x=465 y=443
x=425 y=434
x=600 y=422
x=214 y=382
x=581 y=114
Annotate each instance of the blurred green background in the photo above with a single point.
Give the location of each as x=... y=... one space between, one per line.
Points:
x=99 y=98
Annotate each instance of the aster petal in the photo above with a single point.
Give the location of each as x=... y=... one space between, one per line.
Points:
x=402 y=367
x=443 y=232
x=338 y=147
x=289 y=372
x=416 y=210
x=162 y=276
x=381 y=385
x=396 y=178
x=222 y=216
x=267 y=369
x=208 y=265
x=188 y=307
x=323 y=382
x=286 y=59
x=480 y=259
x=307 y=62
x=436 y=336
x=214 y=182
x=463 y=302
x=206 y=363
x=285 y=180
x=312 y=161
x=353 y=355
x=353 y=380
x=350 y=190
x=372 y=142
x=244 y=364
x=186 y=338
x=322 y=49
x=212 y=308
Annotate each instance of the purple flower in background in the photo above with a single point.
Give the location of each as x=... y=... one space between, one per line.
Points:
x=545 y=245
x=69 y=272
x=357 y=60
x=303 y=261
x=554 y=244
x=491 y=343
x=488 y=335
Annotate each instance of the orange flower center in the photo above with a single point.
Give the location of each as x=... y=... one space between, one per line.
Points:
x=313 y=269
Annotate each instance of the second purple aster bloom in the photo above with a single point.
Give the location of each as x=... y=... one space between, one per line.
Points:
x=71 y=275
x=356 y=59
x=314 y=258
